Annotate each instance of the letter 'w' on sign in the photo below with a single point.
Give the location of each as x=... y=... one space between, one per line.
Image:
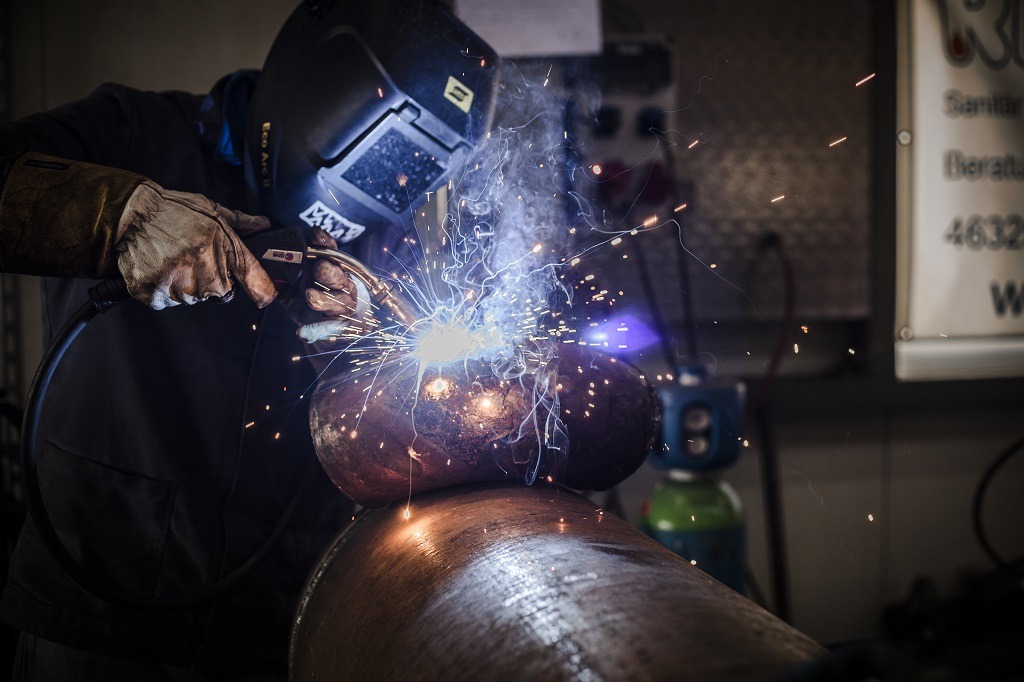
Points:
x=1008 y=298
x=458 y=94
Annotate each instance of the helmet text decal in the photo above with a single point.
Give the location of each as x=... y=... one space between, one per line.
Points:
x=339 y=227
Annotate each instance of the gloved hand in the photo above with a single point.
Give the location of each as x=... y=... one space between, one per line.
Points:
x=176 y=247
x=336 y=300
x=64 y=218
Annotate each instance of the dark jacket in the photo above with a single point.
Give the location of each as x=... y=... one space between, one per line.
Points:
x=148 y=470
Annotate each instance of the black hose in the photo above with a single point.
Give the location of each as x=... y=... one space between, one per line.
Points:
x=757 y=409
x=659 y=323
x=773 y=240
x=682 y=265
x=773 y=509
x=979 y=500
x=103 y=297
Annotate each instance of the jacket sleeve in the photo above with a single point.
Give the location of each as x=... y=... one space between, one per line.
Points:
x=60 y=217
x=59 y=200
x=98 y=129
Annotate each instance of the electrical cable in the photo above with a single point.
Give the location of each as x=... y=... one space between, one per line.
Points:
x=652 y=303
x=772 y=240
x=103 y=297
x=773 y=511
x=685 y=298
x=682 y=265
x=978 y=503
x=758 y=410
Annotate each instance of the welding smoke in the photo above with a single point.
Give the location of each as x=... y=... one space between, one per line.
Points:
x=477 y=388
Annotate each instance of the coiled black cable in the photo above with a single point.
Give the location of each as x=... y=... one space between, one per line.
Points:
x=979 y=500
x=103 y=297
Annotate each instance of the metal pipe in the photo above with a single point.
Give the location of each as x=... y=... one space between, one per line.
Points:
x=524 y=583
x=408 y=433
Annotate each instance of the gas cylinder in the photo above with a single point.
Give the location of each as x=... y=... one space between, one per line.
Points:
x=699 y=516
x=692 y=511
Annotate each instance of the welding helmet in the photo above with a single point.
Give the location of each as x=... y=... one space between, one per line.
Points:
x=361 y=110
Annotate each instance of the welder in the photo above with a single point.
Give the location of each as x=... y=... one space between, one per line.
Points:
x=174 y=435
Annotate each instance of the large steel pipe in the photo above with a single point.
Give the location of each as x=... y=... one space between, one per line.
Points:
x=491 y=582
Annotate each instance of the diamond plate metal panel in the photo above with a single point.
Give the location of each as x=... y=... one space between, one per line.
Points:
x=764 y=88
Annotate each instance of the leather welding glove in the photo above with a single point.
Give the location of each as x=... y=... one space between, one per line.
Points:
x=337 y=300
x=66 y=218
x=177 y=247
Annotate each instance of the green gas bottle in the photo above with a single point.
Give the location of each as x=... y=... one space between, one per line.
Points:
x=699 y=517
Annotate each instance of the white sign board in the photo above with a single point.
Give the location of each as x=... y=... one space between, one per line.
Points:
x=535 y=28
x=960 y=307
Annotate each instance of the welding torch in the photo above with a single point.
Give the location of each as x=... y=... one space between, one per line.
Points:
x=382 y=292
x=284 y=253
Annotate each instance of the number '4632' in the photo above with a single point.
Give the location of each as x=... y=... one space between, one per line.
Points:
x=994 y=232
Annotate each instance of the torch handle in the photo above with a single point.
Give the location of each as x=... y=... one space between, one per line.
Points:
x=383 y=292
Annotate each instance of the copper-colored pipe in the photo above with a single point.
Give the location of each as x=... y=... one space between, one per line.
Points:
x=460 y=424
x=492 y=582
